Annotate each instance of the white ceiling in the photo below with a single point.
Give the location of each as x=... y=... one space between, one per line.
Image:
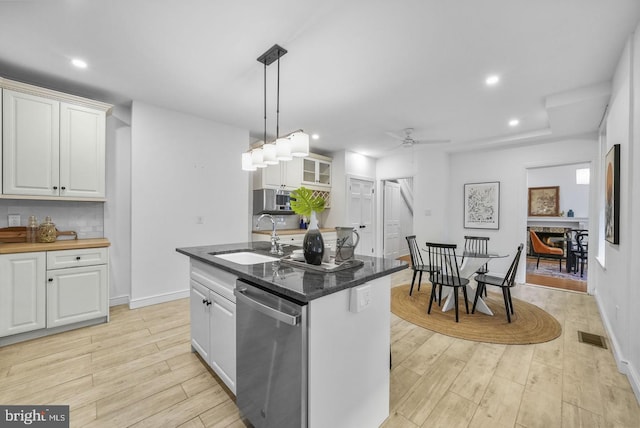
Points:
x=355 y=69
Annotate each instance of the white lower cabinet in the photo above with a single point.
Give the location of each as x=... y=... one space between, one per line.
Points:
x=213 y=320
x=49 y=289
x=23 y=293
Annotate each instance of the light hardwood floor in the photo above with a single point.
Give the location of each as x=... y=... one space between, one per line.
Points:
x=138 y=370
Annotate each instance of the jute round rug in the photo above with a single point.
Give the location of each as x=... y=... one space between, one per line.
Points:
x=529 y=324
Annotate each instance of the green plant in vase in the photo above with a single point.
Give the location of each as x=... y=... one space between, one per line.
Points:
x=305 y=204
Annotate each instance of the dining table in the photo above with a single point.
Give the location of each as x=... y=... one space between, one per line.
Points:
x=471 y=262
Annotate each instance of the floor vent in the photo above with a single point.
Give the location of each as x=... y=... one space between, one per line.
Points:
x=592 y=339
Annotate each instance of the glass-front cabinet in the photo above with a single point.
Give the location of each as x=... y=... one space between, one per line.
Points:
x=316 y=171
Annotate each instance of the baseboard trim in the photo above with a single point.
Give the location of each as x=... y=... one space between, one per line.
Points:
x=621 y=362
x=117 y=301
x=159 y=298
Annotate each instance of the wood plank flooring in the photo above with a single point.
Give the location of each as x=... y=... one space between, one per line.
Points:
x=139 y=371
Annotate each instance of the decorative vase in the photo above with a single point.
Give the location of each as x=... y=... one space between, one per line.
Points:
x=313 y=245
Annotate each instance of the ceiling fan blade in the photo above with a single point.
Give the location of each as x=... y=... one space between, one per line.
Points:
x=394 y=135
x=431 y=141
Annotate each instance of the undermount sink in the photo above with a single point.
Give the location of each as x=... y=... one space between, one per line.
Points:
x=246 y=258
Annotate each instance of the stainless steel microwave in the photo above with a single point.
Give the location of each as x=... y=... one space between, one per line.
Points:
x=271 y=201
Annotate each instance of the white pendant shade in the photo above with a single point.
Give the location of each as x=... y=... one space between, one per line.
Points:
x=283 y=149
x=299 y=144
x=257 y=159
x=269 y=154
x=247 y=165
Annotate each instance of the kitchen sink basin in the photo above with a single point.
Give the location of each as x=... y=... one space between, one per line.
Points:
x=246 y=258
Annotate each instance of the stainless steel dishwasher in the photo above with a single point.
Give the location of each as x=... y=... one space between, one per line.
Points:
x=271 y=355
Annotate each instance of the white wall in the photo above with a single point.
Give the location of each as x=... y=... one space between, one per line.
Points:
x=509 y=167
x=617 y=288
x=182 y=168
x=572 y=195
x=117 y=209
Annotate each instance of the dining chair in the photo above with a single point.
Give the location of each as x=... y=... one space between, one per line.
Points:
x=477 y=245
x=417 y=263
x=504 y=282
x=582 y=255
x=442 y=258
x=540 y=249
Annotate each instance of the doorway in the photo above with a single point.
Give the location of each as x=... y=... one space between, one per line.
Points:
x=559 y=228
x=361 y=213
x=397 y=216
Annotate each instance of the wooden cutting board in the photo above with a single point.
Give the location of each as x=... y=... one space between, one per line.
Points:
x=13 y=234
x=19 y=234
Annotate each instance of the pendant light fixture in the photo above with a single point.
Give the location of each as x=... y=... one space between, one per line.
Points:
x=283 y=148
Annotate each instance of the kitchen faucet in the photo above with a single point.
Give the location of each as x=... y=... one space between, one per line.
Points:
x=275 y=248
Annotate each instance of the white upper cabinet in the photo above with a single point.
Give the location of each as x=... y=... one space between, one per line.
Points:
x=82 y=151
x=30 y=144
x=53 y=144
x=287 y=175
x=316 y=172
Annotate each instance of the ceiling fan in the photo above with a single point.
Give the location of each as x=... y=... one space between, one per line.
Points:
x=408 y=141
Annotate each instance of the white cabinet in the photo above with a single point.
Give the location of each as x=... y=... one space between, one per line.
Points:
x=200 y=319
x=329 y=238
x=53 y=144
x=287 y=175
x=316 y=172
x=22 y=293
x=213 y=319
x=43 y=290
x=76 y=293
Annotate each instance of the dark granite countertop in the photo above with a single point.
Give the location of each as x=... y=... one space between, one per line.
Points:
x=289 y=281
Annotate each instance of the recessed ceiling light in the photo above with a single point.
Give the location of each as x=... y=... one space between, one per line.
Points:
x=79 y=63
x=492 y=80
x=514 y=122
x=315 y=136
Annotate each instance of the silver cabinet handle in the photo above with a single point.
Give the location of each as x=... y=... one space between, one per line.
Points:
x=266 y=309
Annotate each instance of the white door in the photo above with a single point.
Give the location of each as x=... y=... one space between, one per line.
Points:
x=200 y=319
x=223 y=339
x=76 y=294
x=23 y=293
x=392 y=221
x=361 y=214
x=31 y=144
x=82 y=152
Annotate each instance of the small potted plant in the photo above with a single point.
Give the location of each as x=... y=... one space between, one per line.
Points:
x=305 y=204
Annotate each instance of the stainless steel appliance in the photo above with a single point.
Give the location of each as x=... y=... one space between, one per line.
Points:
x=271 y=201
x=271 y=356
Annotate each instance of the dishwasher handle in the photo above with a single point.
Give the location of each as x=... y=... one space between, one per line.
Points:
x=240 y=293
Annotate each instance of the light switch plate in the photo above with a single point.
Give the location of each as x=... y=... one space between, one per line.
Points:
x=360 y=298
x=14 y=220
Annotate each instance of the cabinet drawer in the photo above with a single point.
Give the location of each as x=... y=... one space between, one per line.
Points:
x=214 y=279
x=76 y=258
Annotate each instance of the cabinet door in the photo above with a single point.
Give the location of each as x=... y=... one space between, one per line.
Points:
x=292 y=173
x=316 y=173
x=223 y=339
x=82 y=151
x=22 y=293
x=76 y=294
x=200 y=319
x=30 y=146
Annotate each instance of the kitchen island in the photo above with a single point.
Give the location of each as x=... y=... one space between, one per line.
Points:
x=339 y=365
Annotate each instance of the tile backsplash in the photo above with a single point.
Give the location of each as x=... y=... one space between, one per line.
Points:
x=85 y=218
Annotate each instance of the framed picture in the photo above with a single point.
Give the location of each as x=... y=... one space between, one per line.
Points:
x=482 y=205
x=544 y=201
x=612 y=195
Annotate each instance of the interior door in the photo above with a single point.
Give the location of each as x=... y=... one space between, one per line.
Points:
x=392 y=220
x=361 y=214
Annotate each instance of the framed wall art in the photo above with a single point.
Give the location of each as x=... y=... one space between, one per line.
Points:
x=612 y=195
x=544 y=201
x=482 y=205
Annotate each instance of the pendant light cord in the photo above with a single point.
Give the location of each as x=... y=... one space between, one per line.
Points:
x=278 y=103
x=264 y=141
